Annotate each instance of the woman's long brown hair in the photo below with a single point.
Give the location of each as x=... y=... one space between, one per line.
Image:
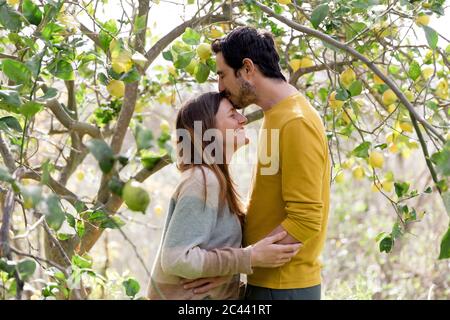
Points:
x=204 y=109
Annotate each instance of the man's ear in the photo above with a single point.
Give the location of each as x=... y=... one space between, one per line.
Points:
x=248 y=67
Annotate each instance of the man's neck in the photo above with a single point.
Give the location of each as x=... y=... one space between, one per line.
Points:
x=272 y=91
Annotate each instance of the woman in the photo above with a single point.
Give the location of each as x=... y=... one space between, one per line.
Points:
x=203 y=231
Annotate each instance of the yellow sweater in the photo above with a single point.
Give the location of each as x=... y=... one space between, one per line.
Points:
x=295 y=196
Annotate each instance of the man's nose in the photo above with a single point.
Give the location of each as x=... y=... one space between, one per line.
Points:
x=221 y=86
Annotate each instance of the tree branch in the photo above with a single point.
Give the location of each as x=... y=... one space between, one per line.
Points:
x=302 y=71
x=6 y=155
x=71 y=124
x=357 y=55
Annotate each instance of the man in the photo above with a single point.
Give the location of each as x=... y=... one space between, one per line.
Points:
x=295 y=197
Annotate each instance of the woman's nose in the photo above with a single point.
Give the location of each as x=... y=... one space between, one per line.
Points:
x=242 y=119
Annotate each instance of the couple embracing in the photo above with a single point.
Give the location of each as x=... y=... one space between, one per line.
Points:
x=209 y=237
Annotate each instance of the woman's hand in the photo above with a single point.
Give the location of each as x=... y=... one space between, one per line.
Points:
x=266 y=254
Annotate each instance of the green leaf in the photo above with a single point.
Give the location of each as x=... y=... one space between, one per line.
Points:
x=428 y=190
x=414 y=70
x=82 y=262
x=401 y=188
x=9 y=18
x=143 y=136
x=131 y=286
x=112 y=223
x=354 y=29
x=10 y=100
x=201 y=72
x=47 y=168
x=16 y=71
x=30 y=108
x=34 y=64
x=150 y=159
x=80 y=228
x=355 y=88
x=116 y=185
x=386 y=244
x=362 y=151
x=341 y=94
x=32 y=195
x=103 y=153
x=51 y=30
x=191 y=37
x=183 y=59
x=323 y=94
x=139 y=23
x=54 y=215
x=5 y=175
x=445 y=246
x=50 y=94
x=319 y=14
x=26 y=268
x=442 y=159
x=432 y=36
x=10 y=122
x=31 y=12
x=131 y=76
x=61 y=69
x=167 y=55
x=7 y=266
x=70 y=220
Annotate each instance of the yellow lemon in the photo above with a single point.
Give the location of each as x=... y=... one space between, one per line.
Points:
x=204 y=51
x=358 y=173
x=12 y=2
x=295 y=64
x=406 y=126
x=164 y=126
x=335 y=104
x=339 y=177
x=347 y=164
x=427 y=72
x=116 y=88
x=391 y=108
x=347 y=77
x=121 y=61
x=409 y=95
x=442 y=89
x=80 y=175
x=389 y=97
x=387 y=185
x=158 y=210
x=423 y=20
x=284 y=1
x=215 y=33
x=376 y=159
x=393 y=148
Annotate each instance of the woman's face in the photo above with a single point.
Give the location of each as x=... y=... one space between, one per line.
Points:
x=231 y=124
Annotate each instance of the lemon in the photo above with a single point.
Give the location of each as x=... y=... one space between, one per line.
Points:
x=215 y=33
x=80 y=175
x=191 y=67
x=135 y=197
x=427 y=72
x=284 y=1
x=164 y=126
x=335 y=104
x=376 y=159
x=347 y=77
x=204 y=51
x=442 y=89
x=121 y=61
x=158 y=210
x=409 y=95
x=389 y=97
x=406 y=126
x=340 y=177
x=358 y=173
x=391 y=108
x=295 y=64
x=387 y=185
x=423 y=20
x=304 y=62
x=12 y=2
x=393 y=148
x=116 y=88
x=347 y=164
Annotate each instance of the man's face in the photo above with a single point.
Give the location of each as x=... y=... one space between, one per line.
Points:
x=237 y=89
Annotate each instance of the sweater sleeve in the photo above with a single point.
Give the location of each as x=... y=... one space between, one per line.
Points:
x=191 y=224
x=303 y=160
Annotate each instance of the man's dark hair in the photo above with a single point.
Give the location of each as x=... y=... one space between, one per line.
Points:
x=247 y=42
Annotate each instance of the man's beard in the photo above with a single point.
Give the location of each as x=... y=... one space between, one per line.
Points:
x=245 y=97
